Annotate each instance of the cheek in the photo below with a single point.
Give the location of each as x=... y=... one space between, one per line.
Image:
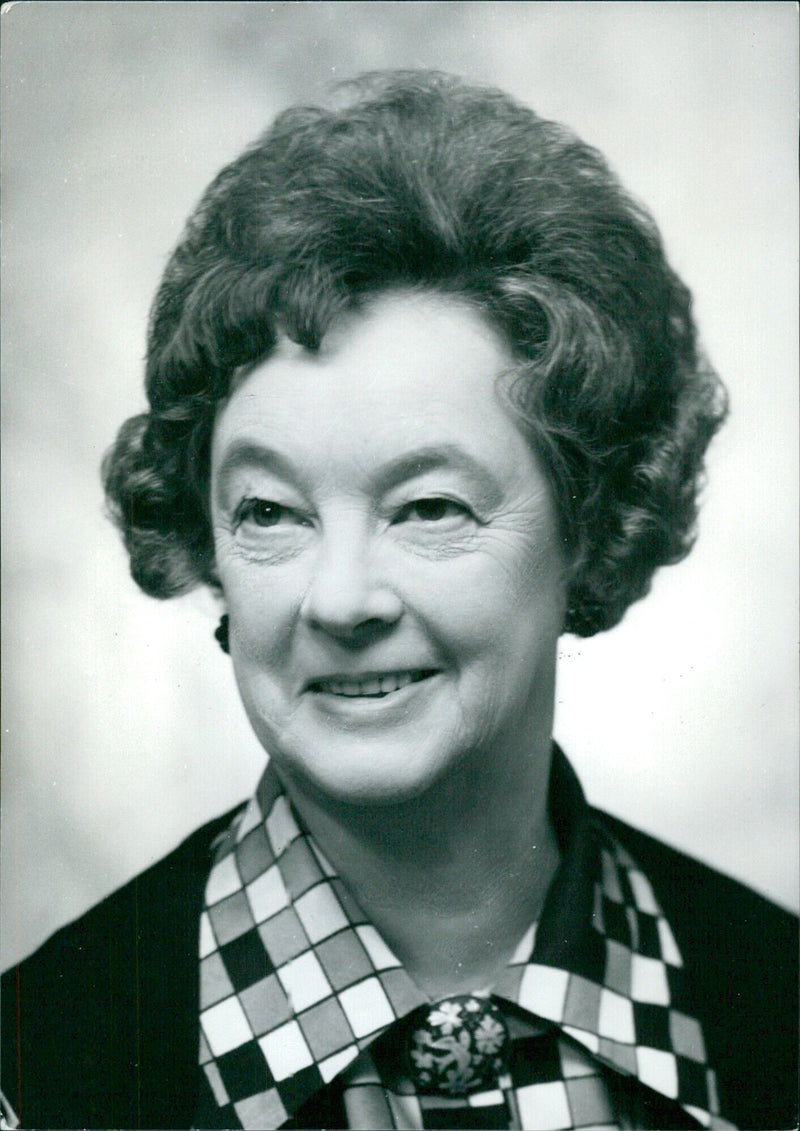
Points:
x=512 y=585
x=493 y=633
x=537 y=580
x=263 y=607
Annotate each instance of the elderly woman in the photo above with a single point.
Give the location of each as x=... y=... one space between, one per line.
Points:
x=424 y=395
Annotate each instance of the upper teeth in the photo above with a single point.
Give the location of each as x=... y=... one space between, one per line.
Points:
x=372 y=685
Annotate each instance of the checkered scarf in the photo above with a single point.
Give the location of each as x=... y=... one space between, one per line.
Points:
x=297 y=989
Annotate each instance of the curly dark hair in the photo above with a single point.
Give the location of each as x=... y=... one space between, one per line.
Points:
x=419 y=180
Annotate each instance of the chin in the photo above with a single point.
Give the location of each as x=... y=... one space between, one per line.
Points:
x=371 y=782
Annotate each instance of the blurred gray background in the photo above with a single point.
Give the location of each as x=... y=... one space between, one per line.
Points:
x=121 y=726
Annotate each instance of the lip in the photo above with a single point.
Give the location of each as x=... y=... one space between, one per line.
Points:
x=373 y=686
x=358 y=711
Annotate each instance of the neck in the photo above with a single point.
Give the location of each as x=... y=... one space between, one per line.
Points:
x=451 y=879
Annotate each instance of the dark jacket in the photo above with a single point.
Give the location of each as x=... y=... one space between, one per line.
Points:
x=100 y=1025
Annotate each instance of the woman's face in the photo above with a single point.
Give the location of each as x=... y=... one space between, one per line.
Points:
x=388 y=551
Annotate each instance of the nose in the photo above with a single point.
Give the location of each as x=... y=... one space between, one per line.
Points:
x=349 y=595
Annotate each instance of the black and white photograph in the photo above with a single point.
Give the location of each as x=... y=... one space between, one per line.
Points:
x=400 y=704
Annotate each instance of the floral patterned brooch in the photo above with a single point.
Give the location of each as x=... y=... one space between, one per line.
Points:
x=459 y=1046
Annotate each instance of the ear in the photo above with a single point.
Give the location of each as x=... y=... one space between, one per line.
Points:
x=221 y=634
x=210 y=577
x=218 y=597
x=209 y=599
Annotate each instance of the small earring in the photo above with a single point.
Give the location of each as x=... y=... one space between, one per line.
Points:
x=221 y=634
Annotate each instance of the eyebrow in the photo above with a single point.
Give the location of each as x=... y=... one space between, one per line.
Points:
x=432 y=457
x=409 y=465
x=250 y=453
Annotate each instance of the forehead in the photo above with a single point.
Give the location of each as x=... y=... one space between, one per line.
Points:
x=408 y=370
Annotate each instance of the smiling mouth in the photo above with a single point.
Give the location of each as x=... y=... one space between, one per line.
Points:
x=369 y=686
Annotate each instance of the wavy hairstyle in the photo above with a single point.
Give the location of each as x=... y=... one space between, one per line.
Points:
x=416 y=179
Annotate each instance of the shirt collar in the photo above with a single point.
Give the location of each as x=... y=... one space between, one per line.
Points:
x=295 y=980
x=606 y=967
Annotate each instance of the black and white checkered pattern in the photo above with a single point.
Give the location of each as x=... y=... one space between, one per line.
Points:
x=552 y=1084
x=295 y=983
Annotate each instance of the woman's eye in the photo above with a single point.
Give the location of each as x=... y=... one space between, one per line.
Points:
x=264 y=512
x=432 y=510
